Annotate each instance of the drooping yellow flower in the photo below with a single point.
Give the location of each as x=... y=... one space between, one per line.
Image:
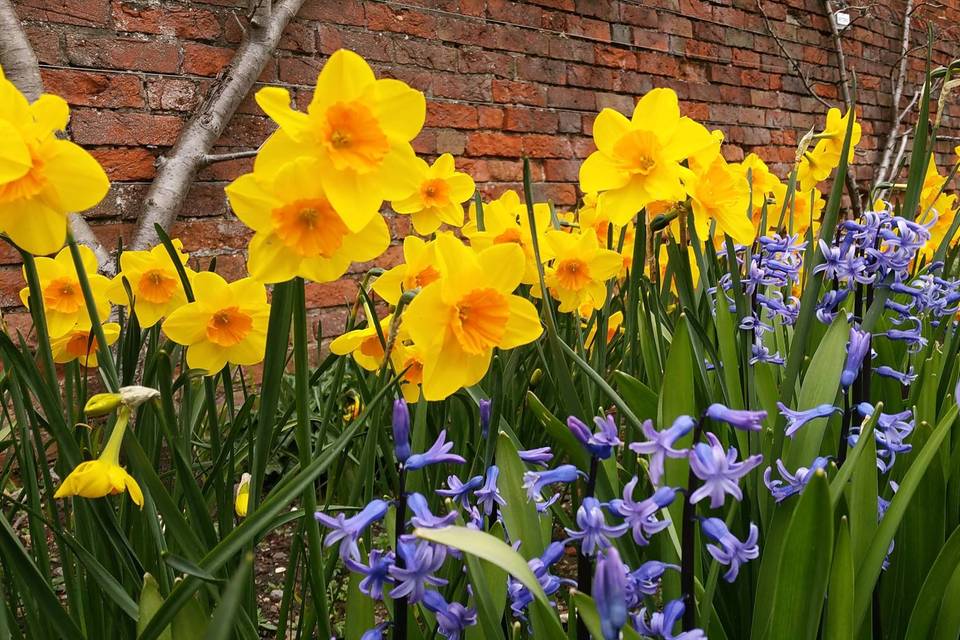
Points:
x=63 y=302
x=418 y=269
x=364 y=344
x=226 y=323
x=103 y=476
x=298 y=232
x=835 y=131
x=459 y=319
x=505 y=221
x=357 y=127
x=935 y=204
x=580 y=269
x=815 y=167
x=440 y=196
x=242 y=499
x=80 y=344
x=154 y=283
x=721 y=193
x=42 y=178
x=638 y=160
x=805 y=208
x=761 y=181
x=408 y=362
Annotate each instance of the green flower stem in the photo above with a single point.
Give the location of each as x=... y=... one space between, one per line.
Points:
x=105 y=357
x=305 y=454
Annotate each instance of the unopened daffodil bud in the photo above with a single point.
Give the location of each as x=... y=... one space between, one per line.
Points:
x=535 y=377
x=102 y=404
x=135 y=395
x=242 y=499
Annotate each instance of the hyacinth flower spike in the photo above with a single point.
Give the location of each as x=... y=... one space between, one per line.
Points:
x=610 y=593
x=347 y=531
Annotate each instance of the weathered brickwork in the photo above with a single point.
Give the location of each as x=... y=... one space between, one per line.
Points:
x=503 y=80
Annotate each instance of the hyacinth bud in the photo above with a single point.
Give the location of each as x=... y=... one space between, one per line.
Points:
x=610 y=594
x=486 y=408
x=401 y=430
x=857 y=349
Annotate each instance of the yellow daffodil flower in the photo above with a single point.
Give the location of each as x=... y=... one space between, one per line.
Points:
x=80 y=344
x=408 y=361
x=419 y=268
x=935 y=204
x=297 y=231
x=364 y=343
x=357 y=127
x=835 y=131
x=816 y=166
x=440 y=196
x=104 y=475
x=590 y=215
x=458 y=320
x=42 y=178
x=227 y=323
x=580 y=269
x=806 y=207
x=242 y=499
x=505 y=221
x=154 y=283
x=721 y=193
x=63 y=302
x=761 y=181
x=663 y=257
x=638 y=160
x=614 y=326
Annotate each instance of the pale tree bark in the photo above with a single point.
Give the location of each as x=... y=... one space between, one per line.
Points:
x=177 y=170
x=891 y=142
x=20 y=66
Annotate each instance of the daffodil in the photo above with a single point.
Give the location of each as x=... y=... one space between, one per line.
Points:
x=816 y=165
x=761 y=180
x=591 y=215
x=358 y=129
x=721 y=194
x=834 y=133
x=408 y=361
x=505 y=221
x=638 y=160
x=805 y=209
x=80 y=344
x=419 y=268
x=154 y=283
x=42 y=178
x=580 y=269
x=103 y=476
x=242 y=499
x=440 y=196
x=936 y=205
x=458 y=320
x=297 y=231
x=226 y=323
x=365 y=344
x=63 y=302
x=614 y=327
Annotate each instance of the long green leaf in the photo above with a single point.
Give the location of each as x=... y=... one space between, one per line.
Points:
x=930 y=597
x=839 y=616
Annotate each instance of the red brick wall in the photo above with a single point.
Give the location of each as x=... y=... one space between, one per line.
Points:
x=503 y=80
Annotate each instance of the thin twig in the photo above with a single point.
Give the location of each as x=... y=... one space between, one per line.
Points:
x=786 y=54
x=212 y=158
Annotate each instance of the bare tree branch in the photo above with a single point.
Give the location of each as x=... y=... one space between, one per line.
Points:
x=896 y=116
x=21 y=67
x=786 y=54
x=852 y=189
x=169 y=188
x=212 y=158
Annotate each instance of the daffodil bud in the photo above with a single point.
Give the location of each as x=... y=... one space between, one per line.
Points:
x=535 y=377
x=134 y=396
x=242 y=499
x=102 y=404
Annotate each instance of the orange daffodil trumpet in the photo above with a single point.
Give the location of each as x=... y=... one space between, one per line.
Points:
x=226 y=324
x=580 y=270
x=42 y=178
x=63 y=302
x=104 y=476
x=459 y=319
x=80 y=344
